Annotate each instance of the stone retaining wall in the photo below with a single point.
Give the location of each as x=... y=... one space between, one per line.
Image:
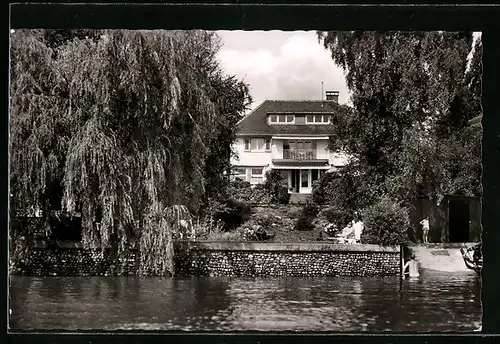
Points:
x=70 y=259
x=287 y=259
x=223 y=259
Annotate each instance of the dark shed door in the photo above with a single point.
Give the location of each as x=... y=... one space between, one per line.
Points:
x=458 y=213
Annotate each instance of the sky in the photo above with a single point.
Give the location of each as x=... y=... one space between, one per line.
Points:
x=281 y=65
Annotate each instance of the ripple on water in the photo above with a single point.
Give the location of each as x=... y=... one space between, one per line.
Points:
x=267 y=304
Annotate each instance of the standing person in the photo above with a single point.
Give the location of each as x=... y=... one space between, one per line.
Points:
x=358 y=227
x=425 y=230
x=412 y=266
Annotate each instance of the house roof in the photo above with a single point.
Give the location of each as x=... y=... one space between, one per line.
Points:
x=255 y=123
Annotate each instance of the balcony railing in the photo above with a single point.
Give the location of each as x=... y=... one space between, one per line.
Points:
x=299 y=154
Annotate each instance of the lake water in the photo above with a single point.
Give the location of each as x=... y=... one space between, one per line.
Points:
x=433 y=303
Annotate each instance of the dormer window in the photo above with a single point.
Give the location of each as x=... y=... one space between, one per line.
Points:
x=281 y=119
x=318 y=119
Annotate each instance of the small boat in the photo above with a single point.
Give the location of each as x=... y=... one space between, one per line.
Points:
x=473 y=257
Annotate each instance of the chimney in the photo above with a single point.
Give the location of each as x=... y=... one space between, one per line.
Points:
x=332 y=95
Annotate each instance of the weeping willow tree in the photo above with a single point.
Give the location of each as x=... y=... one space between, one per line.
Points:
x=120 y=129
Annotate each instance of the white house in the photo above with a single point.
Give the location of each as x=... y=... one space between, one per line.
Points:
x=291 y=136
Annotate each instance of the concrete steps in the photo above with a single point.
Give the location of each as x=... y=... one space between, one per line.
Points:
x=296 y=198
x=445 y=258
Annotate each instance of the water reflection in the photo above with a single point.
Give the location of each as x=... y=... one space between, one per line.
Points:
x=434 y=303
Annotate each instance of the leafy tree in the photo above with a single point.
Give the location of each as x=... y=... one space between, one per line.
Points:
x=343 y=189
x=412 y=95
x=386 y=223
x=120 y=128
x=56 y=38
x=231 y=97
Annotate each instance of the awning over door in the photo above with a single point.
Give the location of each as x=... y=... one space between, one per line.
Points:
x=301 y=138
x=301 y=164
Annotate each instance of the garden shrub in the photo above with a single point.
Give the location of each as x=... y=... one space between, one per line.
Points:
x=205 y=226
x=293 y=211
x=233 y=214
x=321 y=188
x=240 y=190
x=33 y=228
x=65 y=228
x=340 y=218
x=276 y=186
x=260 y=195
x=221 y=235
x=23 y=232
x=349 y=189
x=386 y=223
x=283 y=195
x=258 y=229
x=266 y=221
x=244 y=192
x=306 y=217
x=273 y=190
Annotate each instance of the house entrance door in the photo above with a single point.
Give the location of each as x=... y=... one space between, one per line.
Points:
x=295 y=180
x=305 y=184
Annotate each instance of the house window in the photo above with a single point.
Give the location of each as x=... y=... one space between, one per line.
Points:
x=302 y=150
x=256 y=171
x=282 y=119
x=257 y=145
x=257 y=175
x=240 y=173
x=239 y=170
x=302 y=144
x=318 y=119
